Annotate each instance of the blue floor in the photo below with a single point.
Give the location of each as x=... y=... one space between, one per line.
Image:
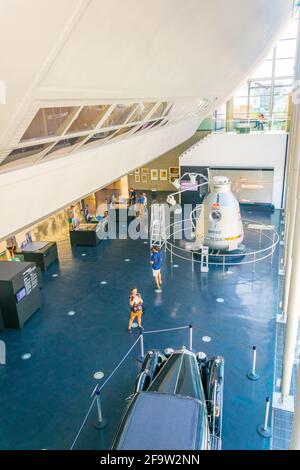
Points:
x=44 y=399
x=282 y=421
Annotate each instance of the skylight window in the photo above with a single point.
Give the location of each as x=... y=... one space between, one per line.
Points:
x=142 y=110
x=49 y=122
x=119 y=115
x=88 y=118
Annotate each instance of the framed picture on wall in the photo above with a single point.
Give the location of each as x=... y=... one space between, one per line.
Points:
x=144 y=178
x=172 y=179
x=163 y=175
x=154 y=174
x=137 y=171
x=145 y=171
x=137 y=178
x=174 y=171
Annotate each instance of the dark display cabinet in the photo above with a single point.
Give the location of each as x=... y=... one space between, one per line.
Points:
x=19 y=292
x=1 y=321
x=85 y=235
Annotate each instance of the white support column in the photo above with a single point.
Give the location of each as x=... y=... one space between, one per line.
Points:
x=292 y=176
x=293 y=308
x=295 y=439
x=2 y=92
x=291 y=203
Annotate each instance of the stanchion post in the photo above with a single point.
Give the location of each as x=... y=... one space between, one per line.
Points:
x=214 y=406
x=190 y=337
x=192 y=261
x=254 y=260
x=252 y=375
x=223 y=264
x=142 y=355
x=101 y=422
x=263 y=429
x=171 y=252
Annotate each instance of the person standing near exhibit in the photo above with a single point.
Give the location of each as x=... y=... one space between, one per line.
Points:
x=141 y=205
x=145 y=201
x=132 y=196
x=156 y=261
x=136 y=308
x=11 y=245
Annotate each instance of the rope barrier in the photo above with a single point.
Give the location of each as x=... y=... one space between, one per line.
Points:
x=167 y=329
x=116 y=368
x=83 y=422
x=97 y=391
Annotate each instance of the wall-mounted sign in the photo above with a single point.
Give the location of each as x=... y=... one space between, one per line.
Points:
x=188 y=186
x=30 y=280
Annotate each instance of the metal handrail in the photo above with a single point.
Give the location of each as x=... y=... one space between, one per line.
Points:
x=172 y=247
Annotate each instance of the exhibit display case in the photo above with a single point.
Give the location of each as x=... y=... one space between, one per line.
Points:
x=41 y=253
x=19 y=292
x=86 y=235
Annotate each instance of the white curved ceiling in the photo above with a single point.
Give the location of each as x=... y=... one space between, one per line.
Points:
x=84 y=52
x=94 y=49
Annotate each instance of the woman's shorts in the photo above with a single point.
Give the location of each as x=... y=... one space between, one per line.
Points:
x=135 y=314
x=155 y=272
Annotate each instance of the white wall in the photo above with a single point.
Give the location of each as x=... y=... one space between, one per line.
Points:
x=242 y=151
x=33 y=193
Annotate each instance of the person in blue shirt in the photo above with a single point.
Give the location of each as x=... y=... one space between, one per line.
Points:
x=141 y=205
x=156 y=261
x=132 y=196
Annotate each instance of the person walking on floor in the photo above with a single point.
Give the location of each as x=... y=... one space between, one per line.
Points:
x=156 y=261
x=132 y=196
x=136 y=308
x=145 y=201
x=141 y=205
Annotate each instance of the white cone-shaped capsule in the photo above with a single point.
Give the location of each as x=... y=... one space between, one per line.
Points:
x=222 y=227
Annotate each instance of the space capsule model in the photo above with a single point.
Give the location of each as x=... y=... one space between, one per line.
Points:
x=221 y=226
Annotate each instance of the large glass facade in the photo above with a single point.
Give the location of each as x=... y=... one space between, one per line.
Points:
x=266 y=94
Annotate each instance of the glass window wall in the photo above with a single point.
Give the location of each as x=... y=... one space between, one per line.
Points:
x=24 y=152
x=64 y=144
x=267 y=91
x=142 y=110
x=88 y=118
x=119 y=115
x=98 y=138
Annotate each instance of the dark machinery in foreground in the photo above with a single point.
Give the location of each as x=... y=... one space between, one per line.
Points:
x=177 y=404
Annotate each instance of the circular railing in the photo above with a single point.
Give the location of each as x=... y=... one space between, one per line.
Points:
x=223 y=259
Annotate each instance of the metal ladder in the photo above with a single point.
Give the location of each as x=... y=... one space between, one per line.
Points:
x=158 y=225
